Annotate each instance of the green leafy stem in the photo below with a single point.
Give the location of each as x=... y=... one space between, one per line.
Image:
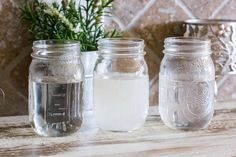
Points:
x=69 y=21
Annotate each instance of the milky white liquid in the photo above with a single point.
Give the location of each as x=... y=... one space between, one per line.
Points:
x=121 y=104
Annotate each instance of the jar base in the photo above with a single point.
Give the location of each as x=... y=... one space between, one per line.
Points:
x=188 y=126
x=47 y=131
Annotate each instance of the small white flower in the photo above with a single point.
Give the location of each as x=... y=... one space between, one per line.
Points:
x=54 y=12
x=48 y=12
x=77 y=29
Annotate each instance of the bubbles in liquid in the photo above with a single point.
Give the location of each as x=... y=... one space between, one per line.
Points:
x=56 y=107
x=186 y=105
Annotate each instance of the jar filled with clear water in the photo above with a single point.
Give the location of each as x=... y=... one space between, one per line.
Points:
x=55 y=88
x=186 y=83
x=121 y=85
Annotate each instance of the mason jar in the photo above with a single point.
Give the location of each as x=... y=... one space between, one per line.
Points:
x=186 y=83
x=55 y=87
x=121 y=85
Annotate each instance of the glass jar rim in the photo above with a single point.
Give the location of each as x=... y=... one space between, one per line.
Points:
x=187 y=46
x=55 y=49
x=121 y=46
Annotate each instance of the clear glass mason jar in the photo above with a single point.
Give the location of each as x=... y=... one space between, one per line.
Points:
x=121 y=85
x=55 y=87
x=186 y=83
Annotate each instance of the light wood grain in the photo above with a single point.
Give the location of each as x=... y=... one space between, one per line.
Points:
x=152 y=140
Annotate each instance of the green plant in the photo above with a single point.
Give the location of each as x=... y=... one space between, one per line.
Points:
x=68 y=21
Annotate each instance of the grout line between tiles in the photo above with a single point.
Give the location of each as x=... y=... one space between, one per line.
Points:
x=151 y=82
x=185 y=8
x=220 y=7
x=140 y=14
x=119 y=22
x=18 y=59
x=25 y=98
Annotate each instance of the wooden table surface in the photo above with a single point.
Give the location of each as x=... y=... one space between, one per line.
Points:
x=152 y=140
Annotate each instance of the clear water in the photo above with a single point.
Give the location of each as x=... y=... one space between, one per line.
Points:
x=121 y=103
x=187 y=105
x=55 y=108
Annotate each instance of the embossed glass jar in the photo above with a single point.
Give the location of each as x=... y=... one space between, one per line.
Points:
x=186 y=83
x=222 y=33
x=55 y=87
x=121 y=85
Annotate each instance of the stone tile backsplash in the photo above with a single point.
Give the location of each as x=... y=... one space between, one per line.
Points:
x=152 y=20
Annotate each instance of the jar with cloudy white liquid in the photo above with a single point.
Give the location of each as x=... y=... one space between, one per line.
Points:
x=186 y=83
x=121 y=85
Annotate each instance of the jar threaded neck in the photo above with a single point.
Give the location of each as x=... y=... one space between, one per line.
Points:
x=187 y=46
x=121 y=46
x=55 y=49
